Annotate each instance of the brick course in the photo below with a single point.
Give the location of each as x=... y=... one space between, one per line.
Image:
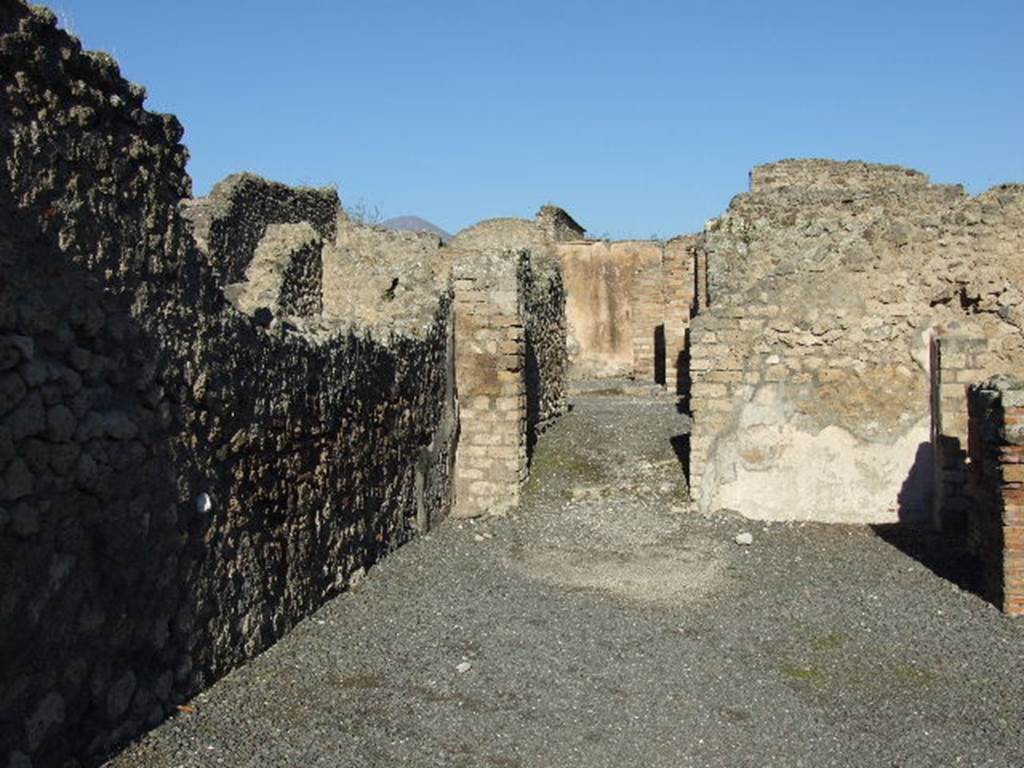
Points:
x=995 y=518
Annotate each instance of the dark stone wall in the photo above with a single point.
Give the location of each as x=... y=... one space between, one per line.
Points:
x=547 y=359
x=230 y=222
x=179 y=482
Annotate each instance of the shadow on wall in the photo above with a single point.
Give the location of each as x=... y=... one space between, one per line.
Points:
x=176 y=483
x=532 y=399
x=681 y=446
x=950 y=483
x=941 y=552
x=915 y=496
x=682 y=363
x=659 y=354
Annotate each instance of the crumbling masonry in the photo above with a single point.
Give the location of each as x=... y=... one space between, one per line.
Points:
x=217 y=413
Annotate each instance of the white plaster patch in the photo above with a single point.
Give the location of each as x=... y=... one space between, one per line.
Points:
x=767 y=468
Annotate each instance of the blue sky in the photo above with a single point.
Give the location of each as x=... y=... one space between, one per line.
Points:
x=641 y=118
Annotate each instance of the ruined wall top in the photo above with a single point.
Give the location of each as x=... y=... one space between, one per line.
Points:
x=229 y=222
x=815 y=173
x=502 y=234
x=551 y=225
x=844 y=246
x=558 y=224
x=384 y=279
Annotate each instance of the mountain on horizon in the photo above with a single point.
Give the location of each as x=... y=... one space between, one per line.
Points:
x=415 y=224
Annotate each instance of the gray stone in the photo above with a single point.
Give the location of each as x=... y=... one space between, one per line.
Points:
x=744 y=539
x=87 y=472
x=16 y=481
x=60 y=424
x=90 y=427
x=25 y=519
x=14 y=349
x=12 y=390
x=28 y=419
x=120 y=695
x=70 y=380
x=36 y=373
x=6 y=444
x=63 y=458
x=52 y=394
x=37 y=455
x=91 y=618
x=164 y=686
x=119 y=425
x=80 y=359
x=9 y=358
x=48 y=713
x=1013 y=434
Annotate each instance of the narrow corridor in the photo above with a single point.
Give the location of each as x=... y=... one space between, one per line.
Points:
x=602 y=624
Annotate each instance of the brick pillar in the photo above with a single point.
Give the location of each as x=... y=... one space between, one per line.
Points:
x=956 y=362
x=679 y=296
x=648 y=323
x=490 y=463
x=995 y=520
x=702 y=298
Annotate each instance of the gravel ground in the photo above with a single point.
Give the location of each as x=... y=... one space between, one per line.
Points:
x=604 y=625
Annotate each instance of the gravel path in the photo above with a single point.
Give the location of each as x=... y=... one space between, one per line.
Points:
x=603 y=625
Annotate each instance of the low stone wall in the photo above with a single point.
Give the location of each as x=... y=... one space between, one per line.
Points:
x=285 y=275
x=995 y=522
x=180 y=482
x=233 y=218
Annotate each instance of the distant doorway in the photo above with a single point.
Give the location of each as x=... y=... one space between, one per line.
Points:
x=659 y=354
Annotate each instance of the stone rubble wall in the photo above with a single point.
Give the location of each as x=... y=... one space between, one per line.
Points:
x=285 y=276
x=546 y=355
x=557 y=225
x=810 y=361
x=232 y=220
x=821 y=174
x=180 y=482
x=995 y=518
x=384 y=279
x=503 y=235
